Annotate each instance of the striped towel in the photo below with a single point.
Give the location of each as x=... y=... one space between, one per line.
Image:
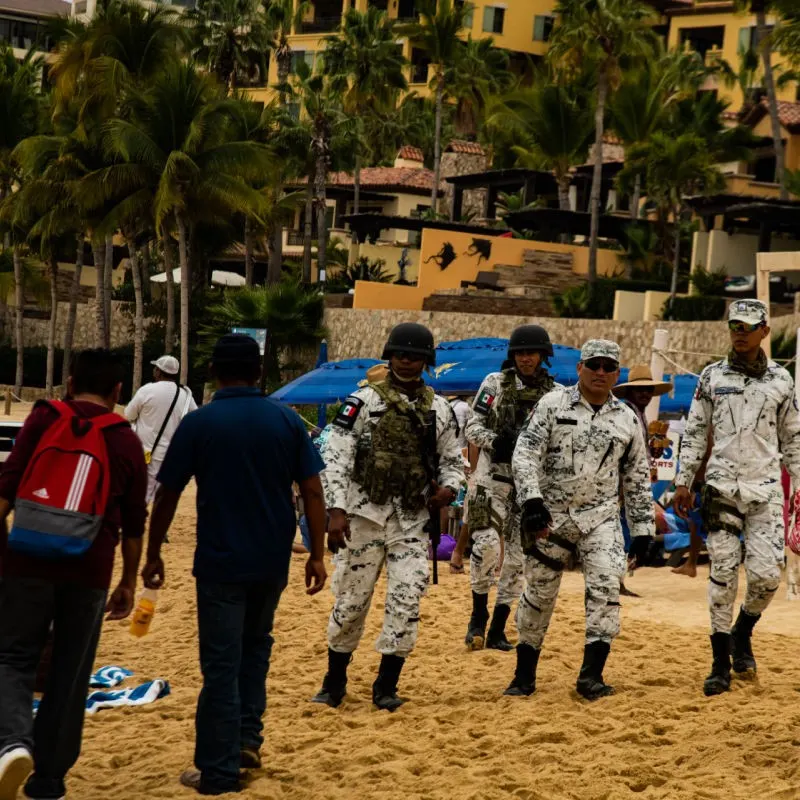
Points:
x=109 y=677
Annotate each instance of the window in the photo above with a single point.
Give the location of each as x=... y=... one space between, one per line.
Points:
x=701 y=40
x=307 y=56
x=493 y=19
x=542 y=27
x=748 y=38
x=419 y=66
x=469 y=18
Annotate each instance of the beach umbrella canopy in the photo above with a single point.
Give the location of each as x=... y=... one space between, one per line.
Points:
x=329 y=383
x=219 y=277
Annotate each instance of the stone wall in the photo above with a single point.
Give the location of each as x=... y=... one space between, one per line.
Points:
x=35 y=332
x=362 y=332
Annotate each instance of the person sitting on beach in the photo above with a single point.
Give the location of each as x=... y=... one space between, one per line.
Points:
x=68 y=592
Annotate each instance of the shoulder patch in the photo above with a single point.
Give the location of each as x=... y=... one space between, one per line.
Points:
x=348 y=413
x=484 y=401
x=722 y=390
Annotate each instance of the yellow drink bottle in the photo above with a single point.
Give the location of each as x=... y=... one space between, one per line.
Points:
x=144 y=612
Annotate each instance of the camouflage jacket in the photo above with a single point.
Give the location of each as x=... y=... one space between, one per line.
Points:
x=362 y=412
x=478 y=431
x=755 y=424
x=574 y=459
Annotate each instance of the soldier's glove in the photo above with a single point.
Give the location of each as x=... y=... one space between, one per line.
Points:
x=535 y=517
x=503 y=448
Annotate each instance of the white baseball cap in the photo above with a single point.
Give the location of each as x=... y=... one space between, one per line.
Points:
x=169 y=365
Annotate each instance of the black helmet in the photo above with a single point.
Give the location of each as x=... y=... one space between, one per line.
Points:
x=530 y=337
x=410 y=337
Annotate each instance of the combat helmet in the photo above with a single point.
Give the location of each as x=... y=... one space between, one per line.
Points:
x=410 y=337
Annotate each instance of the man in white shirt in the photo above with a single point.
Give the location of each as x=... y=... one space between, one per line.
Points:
x=155 y=413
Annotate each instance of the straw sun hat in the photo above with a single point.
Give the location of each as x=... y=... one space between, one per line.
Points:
x=640 y=377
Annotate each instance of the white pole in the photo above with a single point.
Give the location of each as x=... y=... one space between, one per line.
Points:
x=797 y=367
x=660 y=341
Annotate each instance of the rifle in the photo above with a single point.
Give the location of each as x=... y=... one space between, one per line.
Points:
x=431 y=458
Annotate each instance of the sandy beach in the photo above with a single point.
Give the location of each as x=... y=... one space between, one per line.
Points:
x=458 y=738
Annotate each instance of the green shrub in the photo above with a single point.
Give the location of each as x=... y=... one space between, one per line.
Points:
x=694 y=309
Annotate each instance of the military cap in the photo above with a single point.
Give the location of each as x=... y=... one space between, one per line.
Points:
x=751 y=312
x=600 y=348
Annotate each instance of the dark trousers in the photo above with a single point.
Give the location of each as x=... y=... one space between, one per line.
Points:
x=235 y=625
x=28 y=607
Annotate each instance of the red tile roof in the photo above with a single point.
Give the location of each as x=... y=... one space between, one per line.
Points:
x=788 y=113
x=397 y=179
x=462 y=146
x=407 y=152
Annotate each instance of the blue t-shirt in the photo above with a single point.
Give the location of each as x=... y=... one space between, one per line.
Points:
x=245 y=451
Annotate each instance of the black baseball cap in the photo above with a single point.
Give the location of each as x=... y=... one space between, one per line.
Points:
x=236 y=348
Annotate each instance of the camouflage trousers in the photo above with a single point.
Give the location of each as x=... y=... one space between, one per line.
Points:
x=602 y=554
x=358 y=567
x=763 y=528
x=487 y=512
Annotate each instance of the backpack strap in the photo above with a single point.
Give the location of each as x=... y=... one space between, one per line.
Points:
x=65 y=410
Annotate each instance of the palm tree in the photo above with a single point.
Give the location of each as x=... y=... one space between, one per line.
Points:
x=639 y=106
x=282 y=17
x=231 y=38
x=763 y=44
x=786 y=38
x=329 y=125
x=367 y=68
x=479 y=73
x=674 y=168
x=291 y=312
x=438 y=34
x=177 y=160
x=552 y=123
x=597 y=37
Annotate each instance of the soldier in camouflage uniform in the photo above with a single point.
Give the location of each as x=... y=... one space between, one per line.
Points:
x=748 y=404
x=500 y=410
x=392 y=459
x=580 y=443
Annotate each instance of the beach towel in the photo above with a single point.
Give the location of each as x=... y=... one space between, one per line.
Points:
x=141 y=695
x=109 y=677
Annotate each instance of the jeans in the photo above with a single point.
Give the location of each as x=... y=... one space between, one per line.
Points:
x=305 y=533
x=235 y=625
x=28 y=607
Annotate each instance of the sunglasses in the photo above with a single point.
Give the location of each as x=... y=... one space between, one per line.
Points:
x=742 y=327
x=606 y=364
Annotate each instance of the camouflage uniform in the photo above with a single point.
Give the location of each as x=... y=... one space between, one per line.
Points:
x=754 y=422
x=574 y=459
x=492 y=499
x=389 y=533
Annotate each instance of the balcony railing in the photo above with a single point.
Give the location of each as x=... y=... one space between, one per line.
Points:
x=294 y=238
x=322 y=25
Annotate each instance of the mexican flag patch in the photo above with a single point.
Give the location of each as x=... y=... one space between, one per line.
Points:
x=484 y=401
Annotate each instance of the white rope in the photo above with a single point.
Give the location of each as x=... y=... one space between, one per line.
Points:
x=676 y=364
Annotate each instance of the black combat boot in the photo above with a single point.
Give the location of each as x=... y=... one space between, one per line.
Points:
x=590 y=680
x=334 y=684
x=743 y=658
x=524 y=683
x=476 y=631
x=384 y=690
x=496 y=638
x=719 y=680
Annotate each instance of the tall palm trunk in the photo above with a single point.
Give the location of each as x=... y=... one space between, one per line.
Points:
x=597 y=174
x=437 y=142
x=564 y=182
x=51 y=329
x=308 y=228
x=637 y=197
x=248 y=252
x=72 y=315
x=321 y=206
x=283 y=59
x=19 y=299
x=183 y=257
x=275 y=254
x=772 y=98
x=99 y=256
x=138 y=314
x=169 y=266
x=108 y=272
x=676 y=260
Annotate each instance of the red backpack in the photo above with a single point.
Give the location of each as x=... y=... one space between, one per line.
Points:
x=64 y=491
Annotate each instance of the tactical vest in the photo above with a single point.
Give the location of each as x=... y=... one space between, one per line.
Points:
x=391 y=462
x=509 y=414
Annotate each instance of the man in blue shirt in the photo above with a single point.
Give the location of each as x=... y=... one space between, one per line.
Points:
x=245 y=452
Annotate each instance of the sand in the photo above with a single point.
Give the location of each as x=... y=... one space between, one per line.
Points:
x=458 y=737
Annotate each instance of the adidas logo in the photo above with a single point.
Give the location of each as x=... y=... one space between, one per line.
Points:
x=42 y=494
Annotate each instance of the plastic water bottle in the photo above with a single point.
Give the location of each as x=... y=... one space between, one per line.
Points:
x=144 y=612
